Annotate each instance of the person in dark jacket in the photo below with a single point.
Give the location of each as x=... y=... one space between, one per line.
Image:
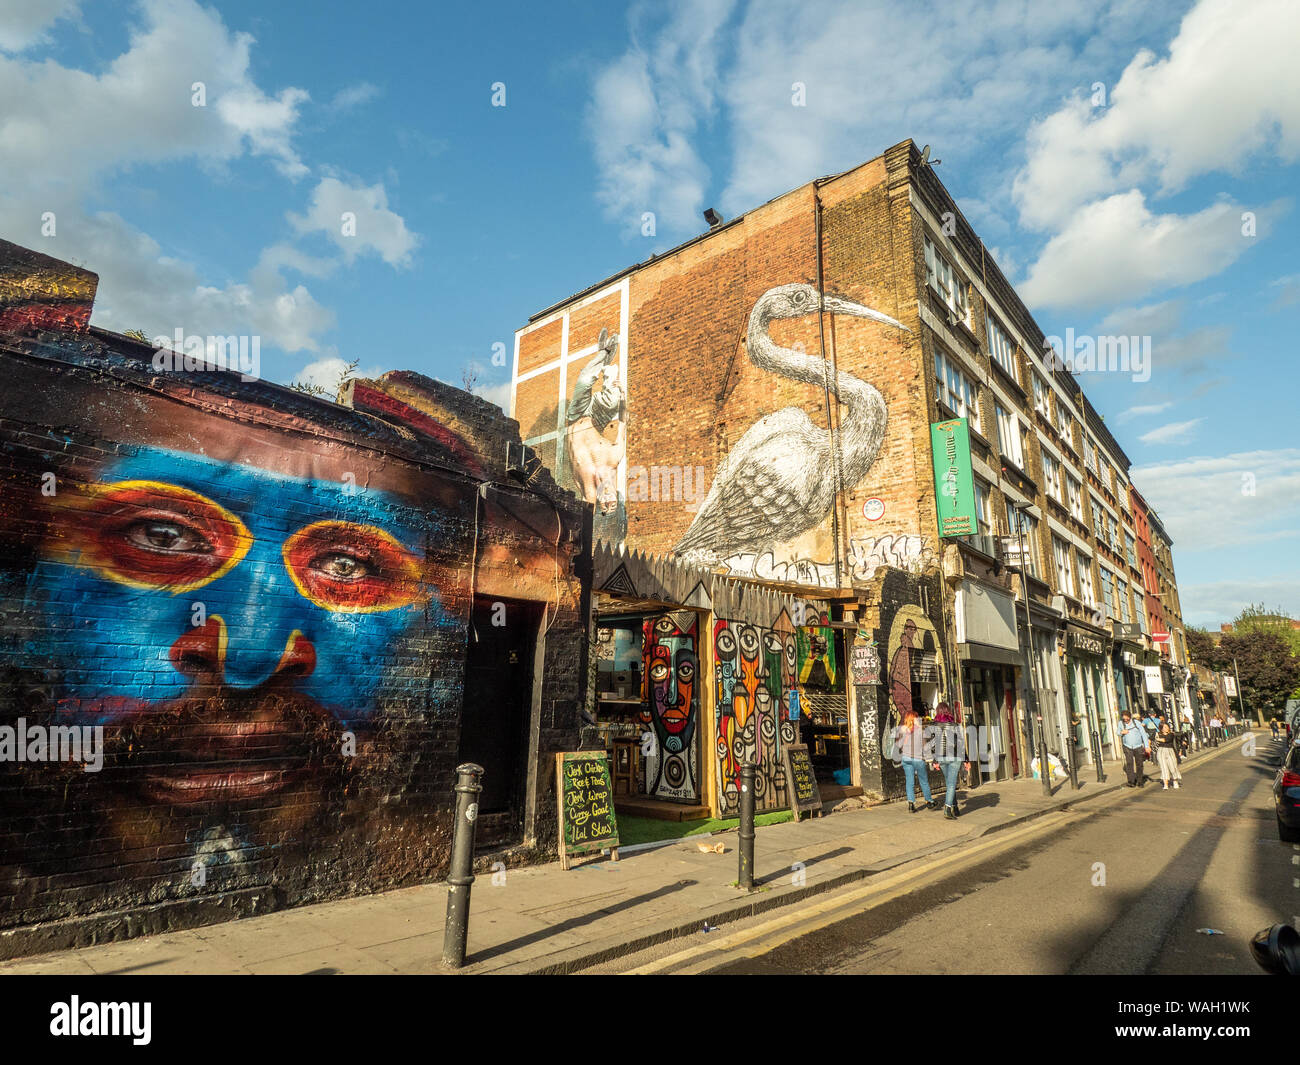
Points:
x=949 y=746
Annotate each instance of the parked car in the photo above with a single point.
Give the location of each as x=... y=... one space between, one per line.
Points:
x=1286 y=795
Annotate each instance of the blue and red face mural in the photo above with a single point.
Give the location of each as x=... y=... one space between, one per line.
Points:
x=246 y=638
x=671 y=679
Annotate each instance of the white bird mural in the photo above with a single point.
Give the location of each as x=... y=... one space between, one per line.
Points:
x=779 y=479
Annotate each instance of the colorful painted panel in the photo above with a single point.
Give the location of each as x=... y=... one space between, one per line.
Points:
x=755 y=676
x=671 y=690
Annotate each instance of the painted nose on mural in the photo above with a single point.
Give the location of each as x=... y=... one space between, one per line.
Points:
x=205 y=654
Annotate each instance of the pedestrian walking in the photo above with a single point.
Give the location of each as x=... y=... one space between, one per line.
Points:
x=1136 y=748
x=1273 y=727
x=1165 y=753
x=949 y=751
x=909 y=744
x=1216 y=727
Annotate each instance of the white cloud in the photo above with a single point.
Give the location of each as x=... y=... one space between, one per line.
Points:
x=326 y=373
x=645 y=108
x=1227 y=93
x=1208 y=605
x=1116 y=248
x=377 y=228
x=1225 y=503
x=352 y=96
x=495 y=393
x=1144 y=411
x=1288 y=294
x=1173 y=433
x=25 y=24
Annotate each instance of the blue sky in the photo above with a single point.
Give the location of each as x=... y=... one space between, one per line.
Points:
x=1113 y=213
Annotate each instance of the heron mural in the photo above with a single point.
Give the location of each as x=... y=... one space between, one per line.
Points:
x=779 y=480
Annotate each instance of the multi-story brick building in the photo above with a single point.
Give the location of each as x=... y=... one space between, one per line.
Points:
x=757 y=405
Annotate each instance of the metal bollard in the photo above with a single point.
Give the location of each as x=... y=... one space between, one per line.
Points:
x=461 y=875
x=747 y=772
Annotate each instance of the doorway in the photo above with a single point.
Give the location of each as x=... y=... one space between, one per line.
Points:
x=497 y=711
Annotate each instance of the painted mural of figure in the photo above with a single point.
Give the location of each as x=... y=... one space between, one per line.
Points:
x=900 y=674
x=671 y=683
x=249 y=606
x=778 y=480
x=755 y=672
x=596 y=410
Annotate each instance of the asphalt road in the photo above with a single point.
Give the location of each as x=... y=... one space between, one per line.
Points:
x=1120 y=886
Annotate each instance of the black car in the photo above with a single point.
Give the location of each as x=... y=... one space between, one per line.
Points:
x=1286 y=794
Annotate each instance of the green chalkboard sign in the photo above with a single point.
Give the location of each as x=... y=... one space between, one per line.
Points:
x=586 y=804
x=800 y=781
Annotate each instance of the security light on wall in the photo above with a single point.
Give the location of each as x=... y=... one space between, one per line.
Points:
x=713 y=218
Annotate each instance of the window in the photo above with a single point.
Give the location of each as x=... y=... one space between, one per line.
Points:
x=1002 y=351
x=1052 y=477
x=1086 y=591
x=1075 y=492
x=1107 y=590
x=941 y=277
x=1121 y=588
x=1130 y=547
x=1140 y=610
x=1064 y=572
x=1089 y=455
x=956 y=391
x=1098 y=521
x=1041 y=403
x=983 y=512
x=1009 y=437
x=1028 y=528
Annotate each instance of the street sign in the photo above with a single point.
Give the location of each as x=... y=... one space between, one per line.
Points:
x=1160 y=637
x=954 y=483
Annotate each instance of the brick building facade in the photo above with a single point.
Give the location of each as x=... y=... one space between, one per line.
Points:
x=758 y=402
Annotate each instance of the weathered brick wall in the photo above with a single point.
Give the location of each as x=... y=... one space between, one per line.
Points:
x=263 y=600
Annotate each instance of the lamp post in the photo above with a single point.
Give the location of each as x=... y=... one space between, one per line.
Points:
x=1031 y=685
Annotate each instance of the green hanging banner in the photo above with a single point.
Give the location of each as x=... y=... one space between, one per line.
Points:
x=954 y=482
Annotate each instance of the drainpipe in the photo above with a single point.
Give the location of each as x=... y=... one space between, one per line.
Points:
x=829 y=368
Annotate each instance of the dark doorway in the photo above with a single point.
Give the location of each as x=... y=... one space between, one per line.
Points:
x=497 y=709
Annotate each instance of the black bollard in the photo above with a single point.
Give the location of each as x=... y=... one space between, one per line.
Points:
x=747 y=826
x=461 y=876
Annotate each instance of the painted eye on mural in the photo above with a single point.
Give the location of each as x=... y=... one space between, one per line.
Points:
x=748 y=642
x=685 y=672
x=150 y=535
x=726 y=643
x=664 y=625
x=349 y=568
x=167 y=536
x=771 y=644
x=659 y=672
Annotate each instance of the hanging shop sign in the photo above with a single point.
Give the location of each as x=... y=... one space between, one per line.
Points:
x=954 y=480
x=1155 y=684
x=864 y=662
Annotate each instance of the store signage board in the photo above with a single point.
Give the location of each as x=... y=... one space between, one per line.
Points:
x=585 y=796
x=1154 y=682
x=800 y=781
x=864 y=660
x=1159 y=637
x=954 y=480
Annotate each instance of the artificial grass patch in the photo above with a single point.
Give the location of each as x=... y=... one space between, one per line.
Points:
x=650 y=830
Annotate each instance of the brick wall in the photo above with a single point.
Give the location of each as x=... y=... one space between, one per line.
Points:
x=264 y=601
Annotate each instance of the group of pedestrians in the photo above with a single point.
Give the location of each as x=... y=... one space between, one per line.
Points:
x=1140 y=739
x=942 y=747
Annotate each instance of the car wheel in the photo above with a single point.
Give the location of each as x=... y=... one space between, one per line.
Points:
x=1286 y=834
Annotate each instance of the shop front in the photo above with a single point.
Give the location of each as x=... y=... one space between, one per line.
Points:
x=696 y=674
x=1092 y=713
x=989 y=653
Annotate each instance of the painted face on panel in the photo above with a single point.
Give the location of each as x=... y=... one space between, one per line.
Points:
x=226 y=624
x=672 y=672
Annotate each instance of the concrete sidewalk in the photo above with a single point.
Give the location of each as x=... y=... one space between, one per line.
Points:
x=542 y=919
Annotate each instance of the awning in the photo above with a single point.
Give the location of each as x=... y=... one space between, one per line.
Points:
x=980 y=652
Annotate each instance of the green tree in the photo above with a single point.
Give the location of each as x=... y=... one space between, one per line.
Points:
x=1200 y=647
x=1268 y=667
